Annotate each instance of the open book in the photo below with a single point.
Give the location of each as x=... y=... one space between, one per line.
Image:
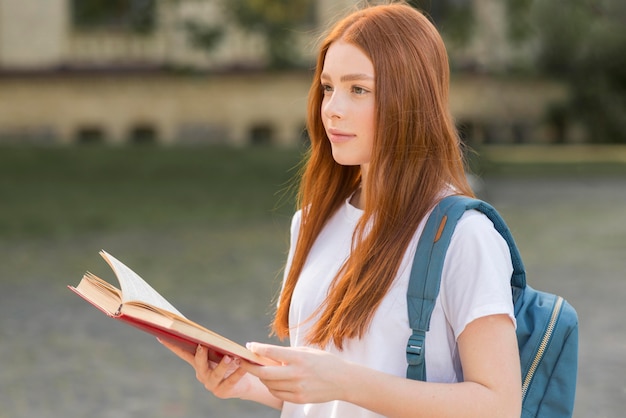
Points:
x=139 y=305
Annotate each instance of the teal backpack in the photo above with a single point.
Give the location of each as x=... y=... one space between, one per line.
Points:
x=547 y=326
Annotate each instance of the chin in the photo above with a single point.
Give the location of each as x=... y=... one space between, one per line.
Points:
x=343 y=160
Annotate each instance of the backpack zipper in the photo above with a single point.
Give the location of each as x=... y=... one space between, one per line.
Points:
x=542 y=347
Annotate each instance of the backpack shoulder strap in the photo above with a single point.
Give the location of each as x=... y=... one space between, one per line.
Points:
x=425 y=277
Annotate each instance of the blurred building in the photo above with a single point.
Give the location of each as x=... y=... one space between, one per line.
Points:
x=133 y=71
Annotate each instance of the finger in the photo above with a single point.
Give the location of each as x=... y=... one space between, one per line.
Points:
x=201 y=358
x=285 y=390
x=204 y=367
x=268 y=373
x=226 y=388
x=206 y=359
x=284 y=395
x=211 y=374
x=234 y=377
x=283 y=355
x=226 y=367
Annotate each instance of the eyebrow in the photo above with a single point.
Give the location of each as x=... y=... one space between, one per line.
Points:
x=349 y=77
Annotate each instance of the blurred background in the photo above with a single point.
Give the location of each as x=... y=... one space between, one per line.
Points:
x=168 y=133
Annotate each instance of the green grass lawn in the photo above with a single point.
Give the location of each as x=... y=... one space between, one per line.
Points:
x=535 y=161
x=207 y=224
x=61 y=192
x=50 y=192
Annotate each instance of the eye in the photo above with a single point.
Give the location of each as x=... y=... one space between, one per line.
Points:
x=327 y=88
x=359 y=90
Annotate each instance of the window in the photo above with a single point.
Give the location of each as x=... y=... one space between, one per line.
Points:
x=90 y=134
x=261 y=135
x=143 y=134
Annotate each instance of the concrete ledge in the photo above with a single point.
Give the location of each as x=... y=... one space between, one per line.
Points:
x=579 y=153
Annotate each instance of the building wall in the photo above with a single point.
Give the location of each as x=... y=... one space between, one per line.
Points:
x=235 y=108
x=40 y=101
x=226 y=108
x=39 y=35
x=32 y=33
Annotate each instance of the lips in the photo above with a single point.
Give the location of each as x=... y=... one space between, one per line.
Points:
x=337 y=136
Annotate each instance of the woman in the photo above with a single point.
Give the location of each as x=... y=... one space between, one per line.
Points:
x=383 y=151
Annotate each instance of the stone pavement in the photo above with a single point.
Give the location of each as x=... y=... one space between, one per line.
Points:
x=59 y=358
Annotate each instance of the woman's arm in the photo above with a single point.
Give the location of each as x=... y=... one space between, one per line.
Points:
x=490 y=359
x=226 y=379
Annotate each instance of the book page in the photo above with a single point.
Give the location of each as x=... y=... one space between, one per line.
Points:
x=135 y=288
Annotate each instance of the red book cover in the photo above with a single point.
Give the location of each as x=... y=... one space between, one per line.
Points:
x=157 y=317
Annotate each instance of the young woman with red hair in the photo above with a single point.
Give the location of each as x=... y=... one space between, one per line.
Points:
x=384 y=150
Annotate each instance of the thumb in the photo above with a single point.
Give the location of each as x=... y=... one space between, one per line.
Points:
x=282 y=355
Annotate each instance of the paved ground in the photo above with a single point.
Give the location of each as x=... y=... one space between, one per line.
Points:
x=59 y=358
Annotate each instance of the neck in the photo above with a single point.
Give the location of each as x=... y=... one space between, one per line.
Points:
x=358 y=198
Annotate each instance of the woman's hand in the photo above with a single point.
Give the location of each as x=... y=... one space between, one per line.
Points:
x=224 y=379
x=306 y=375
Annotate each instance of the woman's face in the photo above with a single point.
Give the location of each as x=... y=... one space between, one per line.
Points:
x=348 y=104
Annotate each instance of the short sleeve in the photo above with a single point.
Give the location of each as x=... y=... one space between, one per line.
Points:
x=476 y=273
x=293 y=239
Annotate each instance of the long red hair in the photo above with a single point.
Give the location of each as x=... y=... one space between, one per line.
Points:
x=416 y=154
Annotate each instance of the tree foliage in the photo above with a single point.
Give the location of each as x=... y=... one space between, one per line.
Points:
x=203 y=36
x=138 y=16
x=582 y=42
x=454 y=18
x=277 y=21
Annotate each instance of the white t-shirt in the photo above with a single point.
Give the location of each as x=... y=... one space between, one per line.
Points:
x=475 y=283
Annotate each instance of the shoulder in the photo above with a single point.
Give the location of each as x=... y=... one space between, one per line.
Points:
x=477 y=245
x=477 y=272
x=475 y=229
x=296 y=220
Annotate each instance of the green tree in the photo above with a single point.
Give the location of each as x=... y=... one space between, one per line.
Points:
x=454 y=18
x=203 y=36
x=138 y=16
x=277 y=21
x=598 y=74
x=582 y=42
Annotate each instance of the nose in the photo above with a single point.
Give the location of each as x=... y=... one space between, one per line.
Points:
x=332 y=106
